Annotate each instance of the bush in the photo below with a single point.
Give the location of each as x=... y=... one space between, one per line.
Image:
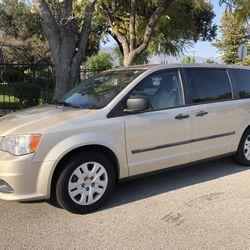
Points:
x=101 y=61
x=47 y=96
x=45 y=83
x=28 y=93
x=13 y=75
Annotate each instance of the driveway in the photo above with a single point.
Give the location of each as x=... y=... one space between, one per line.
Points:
x=206 y=206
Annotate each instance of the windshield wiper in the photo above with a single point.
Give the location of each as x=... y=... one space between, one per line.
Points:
x=67 y=104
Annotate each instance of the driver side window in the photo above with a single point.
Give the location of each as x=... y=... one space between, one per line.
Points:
x=163 y=90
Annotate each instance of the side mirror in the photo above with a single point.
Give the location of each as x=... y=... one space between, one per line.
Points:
x=137 y=104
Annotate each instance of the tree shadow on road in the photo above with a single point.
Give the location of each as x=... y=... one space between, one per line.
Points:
x=163 y=182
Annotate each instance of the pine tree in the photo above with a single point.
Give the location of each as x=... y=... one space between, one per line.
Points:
x=233 y=34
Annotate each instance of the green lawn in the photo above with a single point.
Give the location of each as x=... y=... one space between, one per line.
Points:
x=8 y=102
x=7 y=98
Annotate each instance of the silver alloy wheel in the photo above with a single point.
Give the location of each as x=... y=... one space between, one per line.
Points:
x=247 y=148
x=88 y=183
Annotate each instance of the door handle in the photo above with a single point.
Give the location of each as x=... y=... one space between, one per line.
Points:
x=201 y=113
x=181 y=116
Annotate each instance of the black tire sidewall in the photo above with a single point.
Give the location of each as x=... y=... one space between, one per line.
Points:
x=62 y=184
x=240 y=156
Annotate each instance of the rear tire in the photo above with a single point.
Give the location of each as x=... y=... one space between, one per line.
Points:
x=242 y=155
x=86 y=182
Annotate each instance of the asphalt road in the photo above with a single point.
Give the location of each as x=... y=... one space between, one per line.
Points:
x=206 y=206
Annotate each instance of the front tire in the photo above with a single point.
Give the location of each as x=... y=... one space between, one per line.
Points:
x=242 y=155
x=85 y=183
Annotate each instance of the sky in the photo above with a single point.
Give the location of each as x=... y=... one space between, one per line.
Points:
x=201 y=49
x=206 y=49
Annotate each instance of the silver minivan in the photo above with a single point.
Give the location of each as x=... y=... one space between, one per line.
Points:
x=121 y=123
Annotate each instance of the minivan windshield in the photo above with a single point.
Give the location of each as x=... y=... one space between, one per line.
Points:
x=96 y=92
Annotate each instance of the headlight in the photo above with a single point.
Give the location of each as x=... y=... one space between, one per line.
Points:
x=20 y=144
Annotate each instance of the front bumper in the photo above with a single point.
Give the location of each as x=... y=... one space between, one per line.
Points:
x=23 y=177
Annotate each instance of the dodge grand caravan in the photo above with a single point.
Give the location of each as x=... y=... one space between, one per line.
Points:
x=121 y=123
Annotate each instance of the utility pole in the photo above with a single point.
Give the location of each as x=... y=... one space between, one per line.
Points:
x=193 y=56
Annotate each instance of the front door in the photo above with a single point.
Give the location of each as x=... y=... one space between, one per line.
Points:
x=160 y=137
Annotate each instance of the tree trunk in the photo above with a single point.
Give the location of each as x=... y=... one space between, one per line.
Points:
x=129 y=59
x=67 y=77
x=67 y=44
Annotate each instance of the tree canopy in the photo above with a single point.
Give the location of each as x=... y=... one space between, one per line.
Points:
x=187 y=59
x=240 y=8
x=210 y=61
x=158 y=26
x=21 y=34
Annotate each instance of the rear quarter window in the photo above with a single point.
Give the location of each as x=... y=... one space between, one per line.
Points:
x=242 y=78
x=209 y=85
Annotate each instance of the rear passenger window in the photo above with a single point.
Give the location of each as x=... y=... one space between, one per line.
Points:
x=209 y=85
x=242 y=78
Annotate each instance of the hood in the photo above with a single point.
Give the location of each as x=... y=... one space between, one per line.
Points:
x=38 y=119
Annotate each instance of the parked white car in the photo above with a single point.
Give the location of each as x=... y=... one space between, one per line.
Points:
x=121 y=123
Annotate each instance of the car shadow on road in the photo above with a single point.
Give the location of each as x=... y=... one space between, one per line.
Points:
x=163 y=182
x=169 y=180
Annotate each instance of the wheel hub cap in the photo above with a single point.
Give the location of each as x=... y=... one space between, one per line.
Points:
x=88 y=183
